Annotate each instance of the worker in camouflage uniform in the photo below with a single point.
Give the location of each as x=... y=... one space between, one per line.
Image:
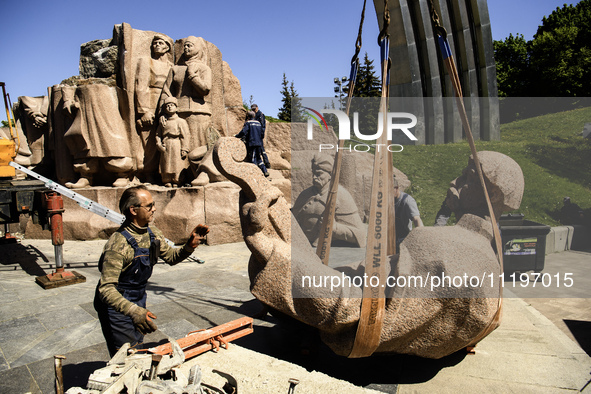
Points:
x=126 y=265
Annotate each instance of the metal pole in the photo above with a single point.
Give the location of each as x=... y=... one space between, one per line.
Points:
x=59 y=378
x=55 y=208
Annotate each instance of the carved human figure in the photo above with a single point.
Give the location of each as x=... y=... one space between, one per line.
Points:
x=308 y=208
x=98 y=134
x=190 y=81
x=150 y=78
x=171 y=140
x=32 y=125
x=425 y=321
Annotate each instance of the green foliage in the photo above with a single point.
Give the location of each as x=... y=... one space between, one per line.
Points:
x=367 y=86
x=291 y=111
x=367 y=83
x=554 y=157
x=6 y=124
x=557 y=62
x=331 y=119
x=249 y=104
x=296 y=105
x=560 y=63
x=512 y=62
x=273 y=120
x=285 y=111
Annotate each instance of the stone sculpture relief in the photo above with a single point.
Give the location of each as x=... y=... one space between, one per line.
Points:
x=103 y=122
x=150 y=77
x=308 y=208
x=190 y=82
x=171 y=141
x=417 y=321
x=98 y=137
x=32 y=127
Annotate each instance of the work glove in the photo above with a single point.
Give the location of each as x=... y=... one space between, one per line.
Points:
x=142 y=319
x=198 y=235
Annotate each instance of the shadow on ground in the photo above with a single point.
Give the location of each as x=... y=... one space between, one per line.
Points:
x=581 y=330
x=299 y=344
x=25 y=256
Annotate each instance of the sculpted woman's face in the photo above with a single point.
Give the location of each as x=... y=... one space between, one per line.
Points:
x=191 y=48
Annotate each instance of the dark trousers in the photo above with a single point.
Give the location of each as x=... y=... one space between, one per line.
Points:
x=117 y=328
x=255 y=155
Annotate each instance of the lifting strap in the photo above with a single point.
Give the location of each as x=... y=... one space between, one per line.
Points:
x=448 y=60
x=325 y=235
x=381 y=240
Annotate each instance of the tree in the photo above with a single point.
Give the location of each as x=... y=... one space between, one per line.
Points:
x=556 y=63
x=367 y=83
x=367 y=86
x=285 y=111
x=291 y=111
x=561 y=52
x=249 y=104
x=512 y=65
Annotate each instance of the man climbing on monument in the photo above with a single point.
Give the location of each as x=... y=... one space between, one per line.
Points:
x=251 y=133
x=126 y=265
x=260 y=117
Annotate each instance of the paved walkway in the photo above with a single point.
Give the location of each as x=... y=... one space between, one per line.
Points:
x=536 y=349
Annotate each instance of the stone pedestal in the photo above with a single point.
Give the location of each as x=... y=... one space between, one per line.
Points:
x=178 y=212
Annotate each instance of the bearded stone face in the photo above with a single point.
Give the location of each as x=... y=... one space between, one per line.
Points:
x=320 y=178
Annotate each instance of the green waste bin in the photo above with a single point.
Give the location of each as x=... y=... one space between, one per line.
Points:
x=524 y=243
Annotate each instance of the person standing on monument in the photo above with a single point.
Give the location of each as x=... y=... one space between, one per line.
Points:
x=407 y=214
x=126 y=265
x=260 y=117
x=251 y=133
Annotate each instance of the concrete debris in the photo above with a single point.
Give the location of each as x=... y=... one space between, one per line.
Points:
x=143 y=373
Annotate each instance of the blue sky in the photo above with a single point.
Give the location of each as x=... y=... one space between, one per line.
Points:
x=310 y=41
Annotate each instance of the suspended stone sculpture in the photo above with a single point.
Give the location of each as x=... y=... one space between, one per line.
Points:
x=430 y=321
